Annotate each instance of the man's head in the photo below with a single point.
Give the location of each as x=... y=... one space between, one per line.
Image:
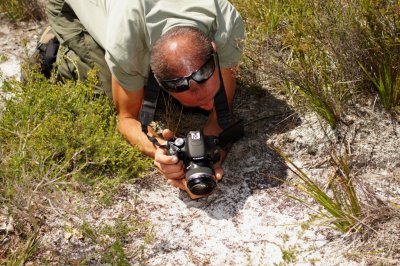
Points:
x=184 y=62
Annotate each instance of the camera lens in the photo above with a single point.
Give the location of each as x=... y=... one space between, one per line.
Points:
x=201 y=180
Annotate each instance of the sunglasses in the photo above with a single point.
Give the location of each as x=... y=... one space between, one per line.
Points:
x=199 y=76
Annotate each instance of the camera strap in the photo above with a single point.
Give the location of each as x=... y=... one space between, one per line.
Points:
x=146 y=115
x=232 y=130
x=224 y=114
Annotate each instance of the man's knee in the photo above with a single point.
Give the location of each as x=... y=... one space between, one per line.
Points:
x=81 y=54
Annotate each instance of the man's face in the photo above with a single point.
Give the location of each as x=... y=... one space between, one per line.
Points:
x=200 y=95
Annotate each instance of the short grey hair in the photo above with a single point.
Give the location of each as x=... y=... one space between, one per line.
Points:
x=202 y=49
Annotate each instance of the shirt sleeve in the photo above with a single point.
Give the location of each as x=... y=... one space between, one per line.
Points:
x=126 y=53
x=229 y=35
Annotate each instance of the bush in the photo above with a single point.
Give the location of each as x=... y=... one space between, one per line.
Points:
x=60 y=130
x=322 y=54
x=57 y=137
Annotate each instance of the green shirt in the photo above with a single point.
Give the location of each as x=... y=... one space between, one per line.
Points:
x=127 y=30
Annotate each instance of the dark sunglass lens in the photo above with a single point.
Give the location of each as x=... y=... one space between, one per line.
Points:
x=178 y=85
x=205 y=72
x=168 y=85
x=181 y=88
x=181 y=85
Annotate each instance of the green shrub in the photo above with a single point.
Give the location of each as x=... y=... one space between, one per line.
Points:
x=53 y=138
x=61 y=131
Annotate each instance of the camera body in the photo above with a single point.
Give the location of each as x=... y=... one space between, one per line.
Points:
x=198 y=153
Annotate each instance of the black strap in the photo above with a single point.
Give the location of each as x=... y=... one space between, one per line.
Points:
x=232 y=130
x=151 y=92
x=146 y=115
x=224 y=114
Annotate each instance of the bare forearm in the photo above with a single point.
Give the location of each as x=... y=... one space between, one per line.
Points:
x=132 y=131
x=128 y=104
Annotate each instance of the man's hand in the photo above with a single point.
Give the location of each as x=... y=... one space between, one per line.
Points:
x=169 y=165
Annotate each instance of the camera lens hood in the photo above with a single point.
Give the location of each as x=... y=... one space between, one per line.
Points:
x=201 y=180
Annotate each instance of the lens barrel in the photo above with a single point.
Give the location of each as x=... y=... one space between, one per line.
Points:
x=201 y=180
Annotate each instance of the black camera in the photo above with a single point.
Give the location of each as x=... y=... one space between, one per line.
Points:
x=198 y=153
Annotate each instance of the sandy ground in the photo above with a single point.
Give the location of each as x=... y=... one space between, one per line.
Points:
x=248 y=220
x=13 y=39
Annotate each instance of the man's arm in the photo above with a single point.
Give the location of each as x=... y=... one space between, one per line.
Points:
x=128 y=106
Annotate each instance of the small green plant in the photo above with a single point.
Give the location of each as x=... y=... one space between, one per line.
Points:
x=381 y=53
x=387 y=84
x=289 y=252
x=23 y=252
x=289 y=255
x=115 y=255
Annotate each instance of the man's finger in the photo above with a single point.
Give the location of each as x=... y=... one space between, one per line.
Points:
x=166 y=159
x=219 y=173
x=171 y=173
x=160 y=156
x=167 y=134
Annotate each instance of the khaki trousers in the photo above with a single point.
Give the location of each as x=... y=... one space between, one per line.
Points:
x=78 y=52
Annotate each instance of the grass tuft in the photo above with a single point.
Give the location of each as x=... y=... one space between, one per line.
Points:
x=341 y=206
x=343 y=203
